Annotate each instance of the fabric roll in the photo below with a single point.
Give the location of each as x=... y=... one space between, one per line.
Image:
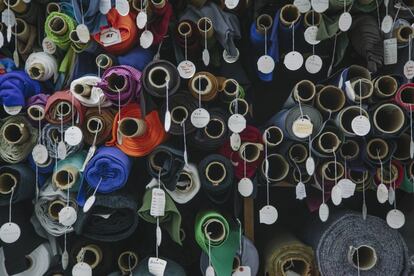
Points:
x=361 y=176
x=121 y=84
x=155 y=75
x=328 y=140
x=171 y=221
x=88 y=13
x=337 y=243
x=405 y=96
x=205 y=85
x=217 y=177
x=172 y=268
x=181 y=105
x=67 y=172
x=278 y=170
x=98 y=125
x=386 y=86
x=344 y=119
x=303 y=91
x=41 y=66
x=109 y=168
x=187 y=35
x=161 y=15
x=212 y=227
x=350 y=73
x=166 y=162
x=390 y=178
x=111 y=218
x=18 y=177
x=26 y=36
x=36 y=107
x=17 y=139
x=388 y=119
x=16 y=87
x=250 y=152
x=59 y=110
x=58 y=27
x=138 y=58
x=148 y=135
x=86 y=91
x=378 y=150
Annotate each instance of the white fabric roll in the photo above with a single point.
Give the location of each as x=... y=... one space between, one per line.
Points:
x=48 y=63
x=96 y=98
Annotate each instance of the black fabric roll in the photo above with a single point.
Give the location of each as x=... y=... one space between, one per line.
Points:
x=25 y=187
x=156 y=86
x=172 y=268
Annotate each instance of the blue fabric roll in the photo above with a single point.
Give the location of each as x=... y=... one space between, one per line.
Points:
x=92 y=17
x=258 y=41
x=16 y=87
x=137 y=58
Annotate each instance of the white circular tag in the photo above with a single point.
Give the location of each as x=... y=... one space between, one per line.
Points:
x=235 y=141
x=200 y=117
x=231 y=4
x=48 y=46
x=293 y=60
x=395 y=219
x=12 y=110
x=186 y=69
x=73 y=136
x=310 y=165
x=302 y=5
x=313 y=64
x=67 y=216
x=83 y=33
x=268 y=215
x=89 y=203
x=40 y=154
x=361 y=125
x=320 y=5
x=231 y=59
x=266 y=64
x=236 y=123
x=302 y=127
x=105 y=6
x=347 y=187
x=122 y=6
x=8 y=18
x=323 y=212
x=336 y=195
x=345 y=21
x=142 y=19
x=382 y=193
x=146 y=39
x=386 y=24
x=409 y=69
x=245 y=187
x=81 y=269
x=310 y=35
x=210 y=271
x=9 y=232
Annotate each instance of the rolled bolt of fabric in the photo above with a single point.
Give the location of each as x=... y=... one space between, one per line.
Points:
x=212 y=136
x=328 y=141
x=172 y=268
x=285 y=253
x=44 y=170
x=405 y=96
x=242 y=107
x=206 y=30
x=204 y=84
x=385 y=86
x=409 y=175
x=361 y=177
x=155 y=75
x=19 y=177
x=330 y=99
x=47 y=207
x=181 y=106
x=392 y=177
x=304 y=92
x=121 y=84
x=349 y=150
x=161 y=15
x=58 y=27
x=131 y=138
x=89 y=14
x=138 y=58
x=92 y=253
x=340 y=232
x=285 y=118
x=105 y=61
x=111 y=218
x=353 y=72
x=98 y=124
x=77 y=45
x=17 y=139
x=326 y=170
x=18 y=6
x=52 y=135
x=67 y=173
x=86 y=91
x=402 y=151
x=311 y=18
x=388 y=119
x=278 y=169
x=344 y=119
x=138 y=5
x=402 y=31
x=230 y=89
x=363 y=89
x=52 y=7
x=16 y=87
x=272 y=136
x=299 y=175
x=127 y=261
x=26 y=35
x=41 y=66
x=187 y=35
x=296 y=153
x=109 y=168
x=59 y=109
x=249 y=156
x=378 y=150
x=169 y=161
x=212 y=227
x=128 y=32
x=170 y=222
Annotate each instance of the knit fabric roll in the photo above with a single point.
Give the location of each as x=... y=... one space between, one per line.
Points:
x=103 y=120
x=16 y=87
x=57 y=114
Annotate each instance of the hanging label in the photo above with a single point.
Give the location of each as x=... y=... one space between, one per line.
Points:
x=186 y=69
x=235 y=141
x=157 y=203
x=142 y=19
x=266 y=64
x=336 y=195
x=302 y=127
x=409 y=69
x=48 y=46
x=345 y=21
x=83 y=33
x=310 y=165
x=73 y=136
x=158 y=235
x=16 y=58
x=302 y=5
x=40 y=154
x=291 y=273
x=323 y=212
x=210 y=271
x=67 y=216
x=65 y=259
x=231 y=4
x=245 y=187
x=242 y=271
x=347 y=187
x=349 y=90
x=268 y=215
x=390 y=51
x=9 y=232
x=382 y=193
x=313 y=64
x=89 y=203
x=12 y=110
x=395 y=219
x=391 y=195
x=104 y=6
x=146 y=39
x=310 y=35
x=230 y=59
x=156 y=266
x=8 y=18
x=300 y=191
x=122 y=6
x=200 y=117
x=386 y=24
x=412 y=149
x=61 y=150
x=81 y=269
x=1 y=40
x=206 y=57
x=110 y=36
x=320 y=5
x=361 y=125
x=293 y=60
x=236 y=123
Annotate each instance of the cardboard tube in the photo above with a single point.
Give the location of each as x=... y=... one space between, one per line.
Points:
x=18 y=6
x=385 y=175
x=36 y=71
x=231 y=88
x=94 y=124
x=388 y=118
x=73 y=36
x=328 y=142
x=264 y=22
x=304 y=91
x=345 y=117
x=403 y=147
x=312 y=18
x=21 y=29
x=63 y=108
x=359 y=177
x=158 y=159
x=184 y=29
x=349 y=149
x=363 y=89
x=157 y=76
x=52 y=7
x=215 y=128
x=407 y=95
x=298 y=153
x=92 y=255
x=58 y=26
x=179 y=114
x=185 y=182
x=289 y=15
x=250 y=152
x=408 y=3
x=363 y=257
x=103 y=61
x=82 y=89
x=36 y=112
x=273 y=136
x=8 y=181
x=297 y=176
x=215 y=172
x=411 y=170
x=330 y=98
x=54 y=208
x=116 y=83
x=205 y=27
x=127 y=261
x=356 y=72
x=328 y=170
x=158 y=4
x=278 y=167
x=140 y=5
x=15 y=134
x=201 y=84
x=403 y=33
x=214 y=230
x=236 y=263
x=377 y=147
x=297 y=265
x=131 y=127
x=66 y=177
x=385 y=86
x=242 y=106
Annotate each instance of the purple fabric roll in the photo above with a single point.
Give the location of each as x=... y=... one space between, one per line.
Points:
x=39 y=99
x=16 y=87
x=126 y=80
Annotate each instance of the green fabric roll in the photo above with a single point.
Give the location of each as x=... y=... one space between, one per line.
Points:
x=72 y=163
x=406 y=185
x=62 y=41
x=171 y=221
x=222 y=253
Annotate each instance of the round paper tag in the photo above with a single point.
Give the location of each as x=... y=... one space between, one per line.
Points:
x=293 y=60
x=310 y=35
x=235 y=141
x=73 y=136
x=200 y=117
x=9 y=232
x=310 y=165
x=122 y=6
x=230 y=59
x=245 y=187
x=40 y=154
x=146 y=39
x=142 y=19
x=48 y=46
x=104 y=6
x=345 y=21
x=302 y=128
x=8 y=18
x=231 y=4
x=12 y=110
x=210 y=271
x=395 y=219
x=313 y=64
x=382 y=193
x=409 y=69
x=347 y=187
x=67 y=216
x=302 y=5
x=386 y=24
x=336 y=195
x=89 y=203
x=323 y=212
x=83 y=33
x=186 y=69
x=236 y=123
x=320 y=5
x=81 y=269
x=266 y=64
x=268 y=215
x=361 y=125
x=206 y=57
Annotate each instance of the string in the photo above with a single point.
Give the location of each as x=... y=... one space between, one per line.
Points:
x=10 y=203
x=293 y=37
x=382 y=169
x=360 y=97
x=185 y=47
x=267 y=169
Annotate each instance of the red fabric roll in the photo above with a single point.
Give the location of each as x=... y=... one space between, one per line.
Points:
x=405 y=96
x=51 y=108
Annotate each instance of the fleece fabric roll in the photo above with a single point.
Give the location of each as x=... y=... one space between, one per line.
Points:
x=21 y=178
x=86 y=91
x=172 y=268
x=36 y=106
x=337 y=242
x=16 y=87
